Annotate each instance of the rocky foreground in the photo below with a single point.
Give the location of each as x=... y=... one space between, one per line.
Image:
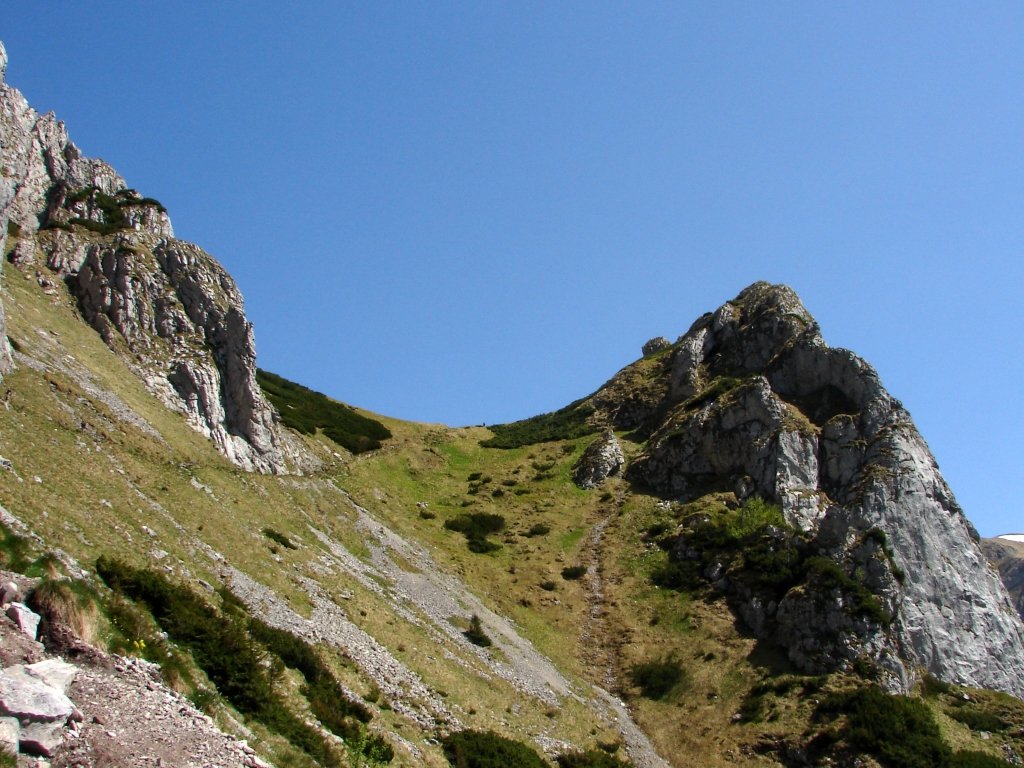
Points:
x=90 y=708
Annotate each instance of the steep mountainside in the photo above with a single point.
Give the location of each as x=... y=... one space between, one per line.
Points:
x=752 y=402
x=736 y=551
x=166 y=304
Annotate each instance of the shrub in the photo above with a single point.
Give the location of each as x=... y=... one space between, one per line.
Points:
x=564 y=424
x=538 y=529
x=967 y=759
x=475 y=634
x=476 y=526
x=592 y=758
x=280 y=538
x=14 y=550
x=486 y=749
x=658 y=678
x=898 y=731
x=978 y=720
x=548 y=586
x=66 y=603
x=932 y=686
x=574 y=572
x=307 y=411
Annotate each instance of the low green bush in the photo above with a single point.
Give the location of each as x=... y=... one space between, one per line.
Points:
x=486 y=749
x=475 y=634
x=978 y=720
x=280 y=538
x=538 y=529
x=476 y=527
x=564 y=424
x=592 y=758
x=658 y=678
x=307 y=411
x=574 y=572
x=898 y=731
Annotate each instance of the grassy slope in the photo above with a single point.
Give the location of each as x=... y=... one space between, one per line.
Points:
x=104 y=483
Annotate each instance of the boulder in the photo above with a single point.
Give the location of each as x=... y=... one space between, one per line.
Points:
x=41 y=739
x=27 y=698
x=54 y=673
x=10 y=734
x=602 y=459
x=25 y=618
x=656 y=344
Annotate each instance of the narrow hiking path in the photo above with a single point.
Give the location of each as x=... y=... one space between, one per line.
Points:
x=598 y=648
x=601 y=639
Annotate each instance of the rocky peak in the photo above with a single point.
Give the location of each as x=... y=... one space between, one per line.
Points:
x=751 y=402
x=166 y=305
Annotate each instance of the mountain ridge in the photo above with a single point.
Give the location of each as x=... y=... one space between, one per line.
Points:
x=766 y=522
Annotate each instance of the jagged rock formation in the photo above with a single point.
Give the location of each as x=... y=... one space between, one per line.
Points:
x=1007 y=556
x=173 y=312
x=602 y=459
x=752 y=402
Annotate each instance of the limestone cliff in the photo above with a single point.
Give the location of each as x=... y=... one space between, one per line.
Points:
x=167 y=306
x=751 y=402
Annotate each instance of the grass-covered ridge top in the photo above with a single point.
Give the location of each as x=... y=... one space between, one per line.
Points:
x=307 y=411
x=566 y=423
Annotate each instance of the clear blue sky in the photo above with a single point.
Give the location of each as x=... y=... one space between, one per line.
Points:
x=476 y=212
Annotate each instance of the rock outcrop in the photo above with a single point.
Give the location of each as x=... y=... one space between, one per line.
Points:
x=752 y=402
x=167 y=306
x=602 y=459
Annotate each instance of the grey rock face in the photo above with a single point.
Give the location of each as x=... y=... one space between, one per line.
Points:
x=602 y=459
x=1008 y=558
x=757 y=403
x=164 y=304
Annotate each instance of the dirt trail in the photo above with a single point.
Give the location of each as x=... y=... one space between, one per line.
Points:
x=597 y=646
x=600 y=644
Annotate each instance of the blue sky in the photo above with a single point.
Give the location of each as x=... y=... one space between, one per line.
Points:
x=476 y=212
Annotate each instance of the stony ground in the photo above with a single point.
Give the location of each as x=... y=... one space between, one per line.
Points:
x=130 y=719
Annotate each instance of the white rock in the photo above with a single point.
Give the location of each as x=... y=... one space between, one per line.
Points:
x=27 y=698
x=10 y=734
x=25 y=618
x=54 y=672
x=41 y=738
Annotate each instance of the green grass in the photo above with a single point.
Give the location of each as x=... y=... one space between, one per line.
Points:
x=308 y=411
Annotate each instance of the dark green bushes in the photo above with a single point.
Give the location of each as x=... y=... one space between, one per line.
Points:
x=476 y=527
x=898 y=731
x=486 y=749
x=658 y=678
x=564 y=424
x=475 y=634
x=574 y=572
x=233 y=651
x=978 y=720
x=538 y=529
x=307 y=411
x=280 y=538
x=592 y=758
